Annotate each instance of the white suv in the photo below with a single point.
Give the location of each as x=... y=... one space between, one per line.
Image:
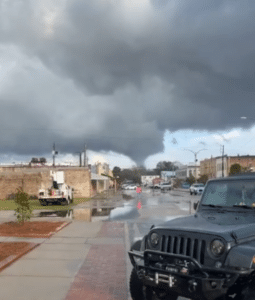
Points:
x=196 y=188
x=165 y=186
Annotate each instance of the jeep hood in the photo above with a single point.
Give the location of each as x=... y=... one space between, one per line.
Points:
x=215 y=223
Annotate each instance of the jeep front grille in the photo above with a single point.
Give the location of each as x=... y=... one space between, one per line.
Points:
x=194 y=248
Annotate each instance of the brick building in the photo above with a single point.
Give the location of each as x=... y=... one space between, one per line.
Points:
x=208 y=167
x=247 y=162
x=213 y=166
x=33 y=179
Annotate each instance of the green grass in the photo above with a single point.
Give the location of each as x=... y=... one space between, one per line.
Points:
x=80 y=200
x=7 y=205
x=35 y=204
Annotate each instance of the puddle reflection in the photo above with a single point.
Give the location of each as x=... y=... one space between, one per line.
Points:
x=129 y=211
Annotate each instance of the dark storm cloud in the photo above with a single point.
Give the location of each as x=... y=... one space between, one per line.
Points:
x=117 y=73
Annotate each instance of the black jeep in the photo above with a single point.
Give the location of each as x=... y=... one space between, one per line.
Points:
x=209 y=255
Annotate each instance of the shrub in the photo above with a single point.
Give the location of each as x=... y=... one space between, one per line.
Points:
x=235 y=169
x=23 y=210
x=177 y=182
x=203 y=179
x=191 y=179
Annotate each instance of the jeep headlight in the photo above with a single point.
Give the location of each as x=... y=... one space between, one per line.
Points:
x=217 y=247
x=154 y=239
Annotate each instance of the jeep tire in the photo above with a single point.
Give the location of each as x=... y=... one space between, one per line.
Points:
x=136 y=286
x=248 y=293
x=64 y=202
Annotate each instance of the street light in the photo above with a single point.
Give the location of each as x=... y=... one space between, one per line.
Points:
x=195 y=154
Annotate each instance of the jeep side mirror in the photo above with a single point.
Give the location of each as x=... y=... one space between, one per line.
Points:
x=195 y=205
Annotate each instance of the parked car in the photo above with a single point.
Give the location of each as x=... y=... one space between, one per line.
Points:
x=131 y=187
x=165 y=186
x=196 y=188
x=208 y=255
x=185 y=185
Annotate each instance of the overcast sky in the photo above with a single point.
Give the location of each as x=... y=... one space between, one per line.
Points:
x=139 y=78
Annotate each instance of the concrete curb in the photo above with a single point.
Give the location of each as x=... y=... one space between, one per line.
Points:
x=11 y=259
x=58 y=229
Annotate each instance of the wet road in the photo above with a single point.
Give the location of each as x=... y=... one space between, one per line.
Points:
x=152 y=207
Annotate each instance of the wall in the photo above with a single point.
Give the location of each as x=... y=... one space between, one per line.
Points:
x=102 y=168
x=33 y=179
x=244 y=161
x=31 y=182
x=219 y=167
x=79 y=178
x=208 y=167
x=194 y=171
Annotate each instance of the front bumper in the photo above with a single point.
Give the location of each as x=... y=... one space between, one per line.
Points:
x=181 y=274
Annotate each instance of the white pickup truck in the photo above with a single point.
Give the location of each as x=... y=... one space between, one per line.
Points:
x=59 y=192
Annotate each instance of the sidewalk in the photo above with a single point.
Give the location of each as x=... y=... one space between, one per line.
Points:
x=82 y=261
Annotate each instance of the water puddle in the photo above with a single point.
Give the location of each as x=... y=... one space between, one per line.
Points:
x=127 y=196
x=100 y=212
x=124 y=213
x=56 y=213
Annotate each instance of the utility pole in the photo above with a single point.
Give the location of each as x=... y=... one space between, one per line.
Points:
x=85 y=155
x=54 y=153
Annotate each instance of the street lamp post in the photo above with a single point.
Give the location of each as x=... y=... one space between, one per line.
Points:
x=195 y=154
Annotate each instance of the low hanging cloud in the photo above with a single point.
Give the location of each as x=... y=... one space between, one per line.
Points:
x=117 y=74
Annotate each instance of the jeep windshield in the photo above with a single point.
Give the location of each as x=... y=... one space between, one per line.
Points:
x=229 y=193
